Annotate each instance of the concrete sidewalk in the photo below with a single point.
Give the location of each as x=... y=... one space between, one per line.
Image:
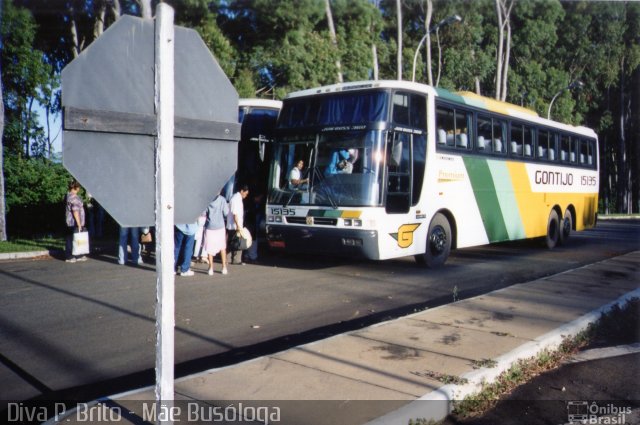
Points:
x=390 y=373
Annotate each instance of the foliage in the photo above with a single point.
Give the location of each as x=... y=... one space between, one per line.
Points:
x=35 y=190
x=269 y=48
x=34 y=181
x=26 y=79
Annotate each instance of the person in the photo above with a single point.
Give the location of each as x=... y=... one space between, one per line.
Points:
x=215 y=238
x=339 y=162
x=296 y=182
x=198 y=250
x=235 y=221
x=74 y=217
x=129 y=236
x=252 y=223
x=184 y=236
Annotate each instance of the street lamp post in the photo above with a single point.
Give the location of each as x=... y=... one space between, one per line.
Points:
x=447 y=21
x=574 y=85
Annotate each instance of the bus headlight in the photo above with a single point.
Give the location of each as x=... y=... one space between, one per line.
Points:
x=357 y=222
x=348 y=222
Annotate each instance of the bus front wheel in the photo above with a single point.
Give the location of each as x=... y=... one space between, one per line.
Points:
x=438 y=243
x=553 y=230
x=565 y=228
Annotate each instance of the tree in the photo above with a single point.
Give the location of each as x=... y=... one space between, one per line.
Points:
x=503 y=12
x=24 y=76
x=399 y=38
x=3 y=222
x=334 y=39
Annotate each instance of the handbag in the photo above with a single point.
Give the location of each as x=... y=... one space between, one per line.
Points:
x=240 y=240
x=80 y=244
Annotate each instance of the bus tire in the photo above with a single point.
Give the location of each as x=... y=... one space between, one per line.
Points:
x=438 y=243
x=565 y=227
x=553 y=230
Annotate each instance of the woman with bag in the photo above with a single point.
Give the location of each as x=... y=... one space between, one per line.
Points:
x=77 y=242
x=215 y=239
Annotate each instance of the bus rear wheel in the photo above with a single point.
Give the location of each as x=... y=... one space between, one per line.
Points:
x=438 y=243
x=565 y=228
x=553 y=230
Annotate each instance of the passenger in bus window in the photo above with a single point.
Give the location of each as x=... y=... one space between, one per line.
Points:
x=338 y=162
x=296 y=182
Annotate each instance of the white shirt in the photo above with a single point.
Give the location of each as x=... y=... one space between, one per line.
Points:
x=294 y=174
x=236 y=209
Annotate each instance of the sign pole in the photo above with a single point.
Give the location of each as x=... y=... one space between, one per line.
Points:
x=164 y=211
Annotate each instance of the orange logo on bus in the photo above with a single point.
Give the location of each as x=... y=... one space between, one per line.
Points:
x=405 y=235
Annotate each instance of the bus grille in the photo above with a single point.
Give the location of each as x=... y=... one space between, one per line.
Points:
x=322 y=221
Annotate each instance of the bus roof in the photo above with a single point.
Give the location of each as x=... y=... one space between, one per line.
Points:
x=466 y=98
x=261 y=103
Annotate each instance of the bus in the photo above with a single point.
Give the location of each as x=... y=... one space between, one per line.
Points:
x=395 y=168
x=258 y=119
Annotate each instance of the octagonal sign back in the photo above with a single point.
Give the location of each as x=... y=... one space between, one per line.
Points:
x=110 y=124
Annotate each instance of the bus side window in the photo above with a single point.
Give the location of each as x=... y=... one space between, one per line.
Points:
x=517 y=139
x=553 y=146
x=499 y=135
x=529 y=136
x=484 y=133
x=565 y=148
x=401 y=108
x=445 y=124
x=543 y=144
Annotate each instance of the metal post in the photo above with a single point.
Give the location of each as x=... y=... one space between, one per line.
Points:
x=164 y=210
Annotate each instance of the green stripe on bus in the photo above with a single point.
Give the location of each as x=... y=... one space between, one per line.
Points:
x=486 y=198
x=446 y=94
x=507 y=199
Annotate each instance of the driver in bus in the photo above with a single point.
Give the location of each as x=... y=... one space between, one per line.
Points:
x=296 y=182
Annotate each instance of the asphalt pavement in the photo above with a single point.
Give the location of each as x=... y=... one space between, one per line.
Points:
x=412 y=368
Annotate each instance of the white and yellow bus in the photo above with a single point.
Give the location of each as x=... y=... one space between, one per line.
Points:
x=394 y=168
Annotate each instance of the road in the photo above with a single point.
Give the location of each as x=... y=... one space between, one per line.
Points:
x=88 y=329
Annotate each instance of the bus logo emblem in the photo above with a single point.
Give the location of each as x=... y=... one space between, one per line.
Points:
x=309 y=220
x=405 y=235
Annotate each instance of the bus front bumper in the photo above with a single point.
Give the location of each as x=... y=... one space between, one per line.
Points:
x=322 y=240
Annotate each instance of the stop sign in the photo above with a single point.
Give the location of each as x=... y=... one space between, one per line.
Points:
x=110 y=124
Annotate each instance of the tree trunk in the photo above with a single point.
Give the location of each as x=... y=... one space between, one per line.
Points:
x=507 y=55
x=145 y=8
x=439 y=57
x=427 y=25
x=500 y=50
x=503 y=12
x=98 y=26
x=399 y=57
x=623 y=164
x=3 y=209
x=334 y=39
x=374 y=54
x=116 y=10
x=77 y=47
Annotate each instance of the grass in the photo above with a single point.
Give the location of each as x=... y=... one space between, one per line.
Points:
x=619 y=325
x=27 y=245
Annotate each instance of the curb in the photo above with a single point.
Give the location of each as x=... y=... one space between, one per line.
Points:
x=440 y=401
x=24 y=255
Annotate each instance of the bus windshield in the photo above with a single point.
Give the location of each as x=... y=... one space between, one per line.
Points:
x=332 y=168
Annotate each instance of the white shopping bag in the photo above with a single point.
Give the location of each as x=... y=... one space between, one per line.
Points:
x=80 y=243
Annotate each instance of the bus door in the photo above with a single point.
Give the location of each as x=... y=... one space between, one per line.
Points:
x=398 y=160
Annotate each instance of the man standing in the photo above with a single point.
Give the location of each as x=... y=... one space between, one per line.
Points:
x=184 y=235
x=235 y=222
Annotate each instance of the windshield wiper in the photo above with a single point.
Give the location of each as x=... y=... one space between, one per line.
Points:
x=327 y=188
